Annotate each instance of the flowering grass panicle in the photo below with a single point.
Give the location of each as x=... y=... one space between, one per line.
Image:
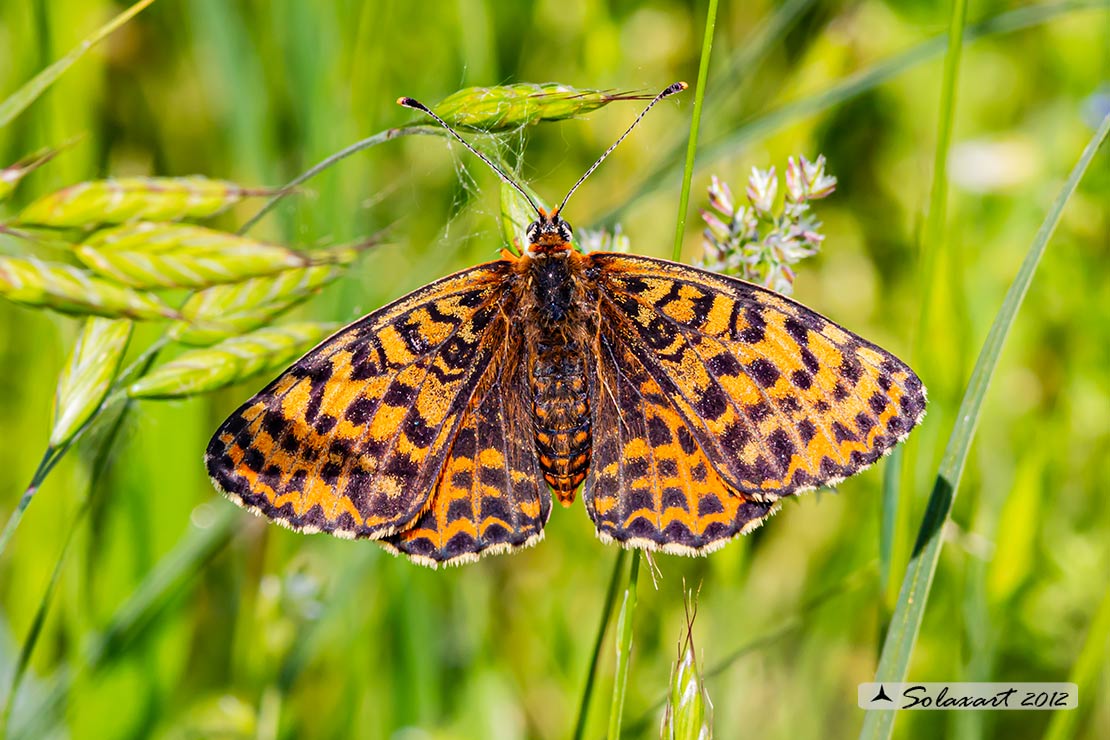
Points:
x=758 y=242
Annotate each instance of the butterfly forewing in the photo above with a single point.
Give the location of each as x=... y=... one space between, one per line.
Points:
x=779 y=398
x=352 y=438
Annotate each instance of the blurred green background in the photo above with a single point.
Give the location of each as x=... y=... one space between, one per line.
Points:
x=165 y=625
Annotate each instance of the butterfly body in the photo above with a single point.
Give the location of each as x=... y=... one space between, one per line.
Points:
x=556 y=327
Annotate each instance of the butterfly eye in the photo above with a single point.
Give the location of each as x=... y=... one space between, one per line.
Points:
x=533 y=232
x=564 y=231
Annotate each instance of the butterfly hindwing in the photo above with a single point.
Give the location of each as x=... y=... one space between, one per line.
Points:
x=779 y=398
x=650 y=484
x=491 y=496
x=351 y=439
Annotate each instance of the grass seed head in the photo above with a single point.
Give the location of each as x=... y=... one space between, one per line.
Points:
x=233 y=360
x=222 y=311
x=170 y=255
x=88 y=375
x=689 y=711
x=70 y=290
x=508 y=107
x=132 y=198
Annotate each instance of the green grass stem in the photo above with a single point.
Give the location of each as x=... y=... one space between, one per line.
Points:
x=331 y=160
x=46 y=464
x=624 y=648
x=599 y=639
x=932 y=248
x=695 y=123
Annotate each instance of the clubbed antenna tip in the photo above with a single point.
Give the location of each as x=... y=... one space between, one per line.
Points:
x=666 y=93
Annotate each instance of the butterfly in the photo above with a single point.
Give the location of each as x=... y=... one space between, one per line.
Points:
x=683 y=404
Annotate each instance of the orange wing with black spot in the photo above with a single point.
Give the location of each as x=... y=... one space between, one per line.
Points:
x=352 y=438
x=491 y=496
x=778 y=398
x=651 y=485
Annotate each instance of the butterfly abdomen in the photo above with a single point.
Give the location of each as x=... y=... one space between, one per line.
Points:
x=560 y=396
x=561 y=412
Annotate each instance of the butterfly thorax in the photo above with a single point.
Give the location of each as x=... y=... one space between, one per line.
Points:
x=557 y=328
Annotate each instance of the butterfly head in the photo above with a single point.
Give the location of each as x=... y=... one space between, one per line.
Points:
x=548 y=234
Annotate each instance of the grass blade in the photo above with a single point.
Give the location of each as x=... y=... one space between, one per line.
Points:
x=908 y=613
x=624 y=648
x=932 y=239
x=695 y=123
x=18 y=101
x=933 y=249
x=591 y=675
x=27 y=648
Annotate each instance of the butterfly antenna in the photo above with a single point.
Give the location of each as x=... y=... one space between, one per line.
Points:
x=417 y=105
x=675 y=88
